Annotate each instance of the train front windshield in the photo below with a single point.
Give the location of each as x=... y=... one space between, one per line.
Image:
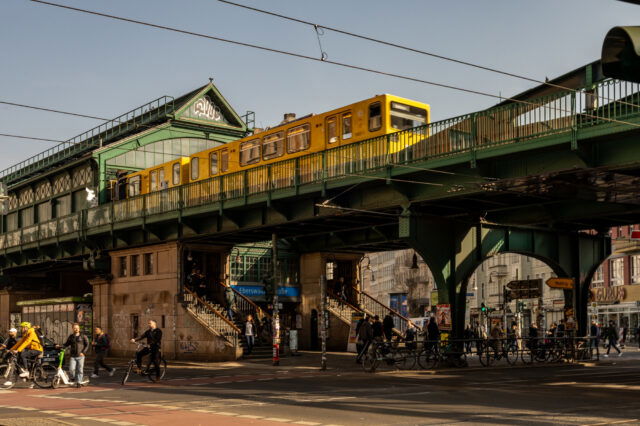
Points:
x=405 y=116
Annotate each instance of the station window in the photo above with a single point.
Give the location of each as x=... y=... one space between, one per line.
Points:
x=148 y=263
x=122 y=266
x=249 y=152
x=134 y=186
x=224 y=160
x=346 y=126
x=273 y=146
x=135 y=265
x=154 y=180
x=175 y=179
x=195 y=170
x=332 y=133
x=213 y=162
x=298 y=138
x=375 y=116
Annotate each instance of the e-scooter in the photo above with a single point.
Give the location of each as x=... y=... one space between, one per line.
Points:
x=61 y=376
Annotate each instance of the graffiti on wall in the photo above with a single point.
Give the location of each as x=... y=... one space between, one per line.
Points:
x=188 y=346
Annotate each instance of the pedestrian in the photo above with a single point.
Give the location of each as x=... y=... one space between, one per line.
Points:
x=387 y=326
x=378 y=332
x=101 y=344
x=612 y=336
x=196 y=283
x=358 y=342
x=365 y=337
x=560 y=329
x=230 y=298
x=594 y=333
x=533 y=336
x=624 y=336
x=410 y=337
x=9 y=343
x=153 y=335
x=433 y=333
x=249 y=333
x=467 y=335
x=78 y=344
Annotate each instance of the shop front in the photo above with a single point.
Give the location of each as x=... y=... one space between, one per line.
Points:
x=620 y=304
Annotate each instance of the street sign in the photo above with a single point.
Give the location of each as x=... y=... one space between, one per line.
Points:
x=527 y=293
x=563 y=283
x=525 y=284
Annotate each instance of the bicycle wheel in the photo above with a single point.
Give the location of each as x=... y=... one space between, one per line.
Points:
x=408 y=360
x=150 y=373
x=8 y=376
x=487 y=356
x=527 y=356
x=43 y=375
x=127 y=372
x=370 y=362
x=427 y=359
x=512 y=354
x=459 y=360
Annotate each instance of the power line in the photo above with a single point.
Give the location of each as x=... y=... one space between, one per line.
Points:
x=31 y=137
x=317 y=27
x=54 y=110
x=311 y=58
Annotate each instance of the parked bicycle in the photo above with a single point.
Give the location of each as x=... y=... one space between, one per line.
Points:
x=443 y=353
x=41 y=374
x=490 y=351
x=146 y=371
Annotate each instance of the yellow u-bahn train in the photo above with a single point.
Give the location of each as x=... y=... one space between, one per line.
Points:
x=376 y=116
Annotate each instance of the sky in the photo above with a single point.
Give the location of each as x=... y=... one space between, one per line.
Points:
x=66 y=60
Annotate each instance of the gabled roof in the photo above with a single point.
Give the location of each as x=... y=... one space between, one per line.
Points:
x=144 y=117
x=206 y=105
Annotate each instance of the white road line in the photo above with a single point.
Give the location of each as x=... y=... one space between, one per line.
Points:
x=224 y=413
x=50 y=411
x=301 y=422
x=249 y=416
x=277 y=419
x=65 y=414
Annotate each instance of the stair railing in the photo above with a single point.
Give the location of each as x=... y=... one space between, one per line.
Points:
x=372 y=306
x=245 y=306
x=211 y=318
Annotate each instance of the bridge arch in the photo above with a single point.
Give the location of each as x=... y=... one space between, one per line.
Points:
x=454 y=249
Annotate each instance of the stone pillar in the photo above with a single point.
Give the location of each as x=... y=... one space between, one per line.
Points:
x=102 y=303
x=311 y=268
x=8 y=304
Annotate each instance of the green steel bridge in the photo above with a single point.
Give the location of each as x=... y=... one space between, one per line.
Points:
x=543 y=174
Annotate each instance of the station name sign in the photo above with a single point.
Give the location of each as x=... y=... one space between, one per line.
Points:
x=609 y=294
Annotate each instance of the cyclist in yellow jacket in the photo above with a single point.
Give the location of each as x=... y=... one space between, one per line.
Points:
x=29 y=346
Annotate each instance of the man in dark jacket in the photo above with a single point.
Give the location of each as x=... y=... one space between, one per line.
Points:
x=154 y=343
x=612 y=336
x=594 y=333
x=9 y=342
x=378 y=333
x=365 y=337
x=433 y=332
x=78 y=344
x=101 y=344
x=387 y=326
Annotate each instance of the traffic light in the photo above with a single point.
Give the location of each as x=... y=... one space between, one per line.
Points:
x=483 y=308
x=507 y=296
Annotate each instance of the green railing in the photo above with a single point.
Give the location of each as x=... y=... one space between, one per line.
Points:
x=90 y=139
x=608 y=103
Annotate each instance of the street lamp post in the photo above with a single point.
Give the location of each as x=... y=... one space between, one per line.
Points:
x=276 y=308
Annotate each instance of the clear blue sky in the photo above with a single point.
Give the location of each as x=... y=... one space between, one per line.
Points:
x=66 y=60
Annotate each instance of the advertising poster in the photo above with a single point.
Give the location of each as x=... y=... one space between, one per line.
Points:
x=443 y=316
x=353 y=337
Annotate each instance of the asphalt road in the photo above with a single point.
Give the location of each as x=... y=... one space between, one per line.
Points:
x=297 y=392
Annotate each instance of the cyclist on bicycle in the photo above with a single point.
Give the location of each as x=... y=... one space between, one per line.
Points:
x=9 y=343
x=154 y=342
x=28 y=346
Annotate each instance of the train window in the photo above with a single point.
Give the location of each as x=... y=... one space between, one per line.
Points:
x=375 y=116
x=405 y=116
x=298 y=138
x=154 y=180
x=213 y=161
x=332 y=133
x=273 y=146
x=134 y=186
x=175 y=179
x=162 y=184
x=249 y=152
x=195 y=170
x=346 y=126
x=224 y=160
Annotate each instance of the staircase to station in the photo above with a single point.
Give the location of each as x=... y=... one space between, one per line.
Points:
x=212 y=318
x=242 y=309
x=367 y=305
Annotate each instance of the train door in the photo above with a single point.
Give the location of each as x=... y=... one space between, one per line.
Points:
x=332 y=140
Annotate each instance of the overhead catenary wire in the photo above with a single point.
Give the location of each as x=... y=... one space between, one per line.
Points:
x=315 y=59
x=8 y=135
x=409 y=49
